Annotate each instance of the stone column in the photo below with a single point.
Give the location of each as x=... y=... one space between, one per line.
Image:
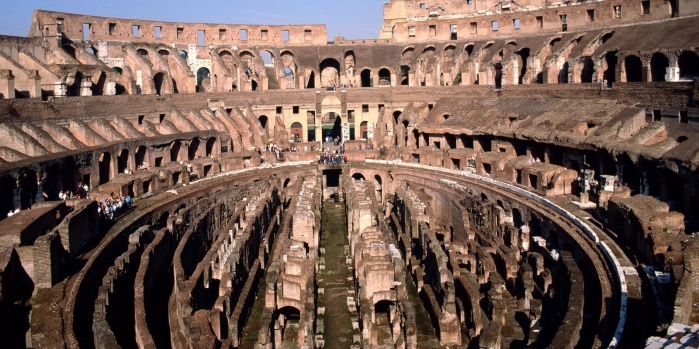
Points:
x=86 y=86
x=7 y=84
x=35 y=84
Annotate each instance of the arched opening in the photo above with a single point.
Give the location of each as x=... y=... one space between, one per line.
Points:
x=203 y=79
x=29 y=187
x=498 y=75
x=517 y=218
x=141 y=156
x=523 y=56
x=210 y=150
x=588 y=69
x=253 y=85
x=359 y=177
x=383 y=315
x=451 y=140
x=329 y=72
x=611 y=60
x=98 y=87
x=396 y=115
x=404 y=75
x=164 y=53
x=158 y=79
x=77 y=82
x=332 y=126
x=105 y=166
x=182 y=54
x=162 y=221
x=287 y=321
x=634 y=69
x=416 y=138
x=70 y=50
x=193 y=149
x=658 y=66
x=363 y=131
x=310 y=79
x=91 y=50
x=142 y=52
x=263 y=121
x=384 y=77
x=227 y=58
x=689 y=65
x=297 y=132
x=563 y=74
x=175 y=151
x=267 y=58
x=365 y=77
x=123 y=161
x=287 y=182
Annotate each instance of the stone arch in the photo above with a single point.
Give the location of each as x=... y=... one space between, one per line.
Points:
x=253 y=85
x=203 y=79
x=385 y=77
x=175 y=147
x=633 y=68
x=658 y=66
x=365 y=78
x=287 y=182
x=99 y=86
x=404 y=78
x=498 y=75
x=227 y=58
x=588 y=69
x=159 y=82
x=688 y=62
x=141 y=155
x=329 y=72
x=358 y=176
x=142 y=52
x=267 y=57
x=297 y=131
x=264 y=122
x=363 y=130
x=193 y=149
x=105 y=167
x=123 y=161
x=332 y=125
x=211 y=147
x=610 y=61
x=523 y=58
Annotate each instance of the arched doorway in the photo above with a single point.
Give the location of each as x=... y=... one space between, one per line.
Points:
x=365 y=77
x=358 y=177
x=563 y=74
x=332 y=126
x=175 y=151
x=98 y=87
x=77 y=83
x=405 y=75
x=141 y=156
x=193 y=149
x=297 y=132
x=658 y=66
x=227 y=58
x=329 y=72
x=363 y=131
x=158 y=79
x=123 y=161
x=611 y=60
x=383 y=317
x=689 y=65
x=288 y=327
x=384 y=77
x=289 y=77
x=588 y=70
x=523 y=58
x=210 y=147
x=105 y=167
x=634 y=69
x=498 y=75
x=203 y=80
x=263 y=121
x=253 y=85
x=142 y=52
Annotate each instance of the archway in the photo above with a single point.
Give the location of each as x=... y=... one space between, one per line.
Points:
x=141 y=155
x=297 y=131
x=77 y=83
x=365 y=77
x=658 y=66
x=332 y=126
x=384 y=77
x=142 y=52
x=287 y=321
x=689 y=65
x=193 y=149
x=363 y=131
x=588 y=70
x=182 y=54
x=203 y=79
x=98 y=87
x=611 y=60
x=634 y=69
x=123 y=161
x=563 y=74
x=158 y=79
x=227 y=58
x=405 y=75
x=175 y=151
x=523 y=56
x=164 y=53
x=498 y=75
x=329 y=72
x=396 y=116
x=358 y=176
x=210 y=150
x=267 y=58
x=253 y=85
x=379 y=188
x=264 y=120
x=383 y=316
x=451 y=140
x=105 y=167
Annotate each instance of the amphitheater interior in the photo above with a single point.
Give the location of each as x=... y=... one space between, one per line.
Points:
x=483 y=174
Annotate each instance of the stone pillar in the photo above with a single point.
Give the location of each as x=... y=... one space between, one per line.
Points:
x=646 y=75
x=7 y=84
x=35 y=84
x=60 y=89
x=524 y=237
x=86 y=86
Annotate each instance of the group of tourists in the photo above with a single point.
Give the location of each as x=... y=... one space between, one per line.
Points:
x=112 y=207
x=333 y=157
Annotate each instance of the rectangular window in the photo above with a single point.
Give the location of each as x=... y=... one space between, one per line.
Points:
x=590 y=15
x=279 y=110
x=180 y=33
x=515 y=22
x=422 y=6
x=307 y=34
x=134 y=30
x=296 y=109
x=86 y=31
x=285 y=35
x=243 y=34
x=564 y=23
x=684 y=117
x=201 y=37
x=540 y=21
x=222 y=34
x=365 y=108
x=617 y=11
x=140 y=119
x=656 y=115
x=263 y=34
x=112 y=28
x=433 y=30
x=474 y=28
x=646 y=7
x=411 y=32
x=452 y=30
x=494 y=25
x=158 y=32
x=469 y=2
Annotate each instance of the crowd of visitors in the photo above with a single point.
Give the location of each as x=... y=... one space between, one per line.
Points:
x=113 y=206
x=332 y=157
